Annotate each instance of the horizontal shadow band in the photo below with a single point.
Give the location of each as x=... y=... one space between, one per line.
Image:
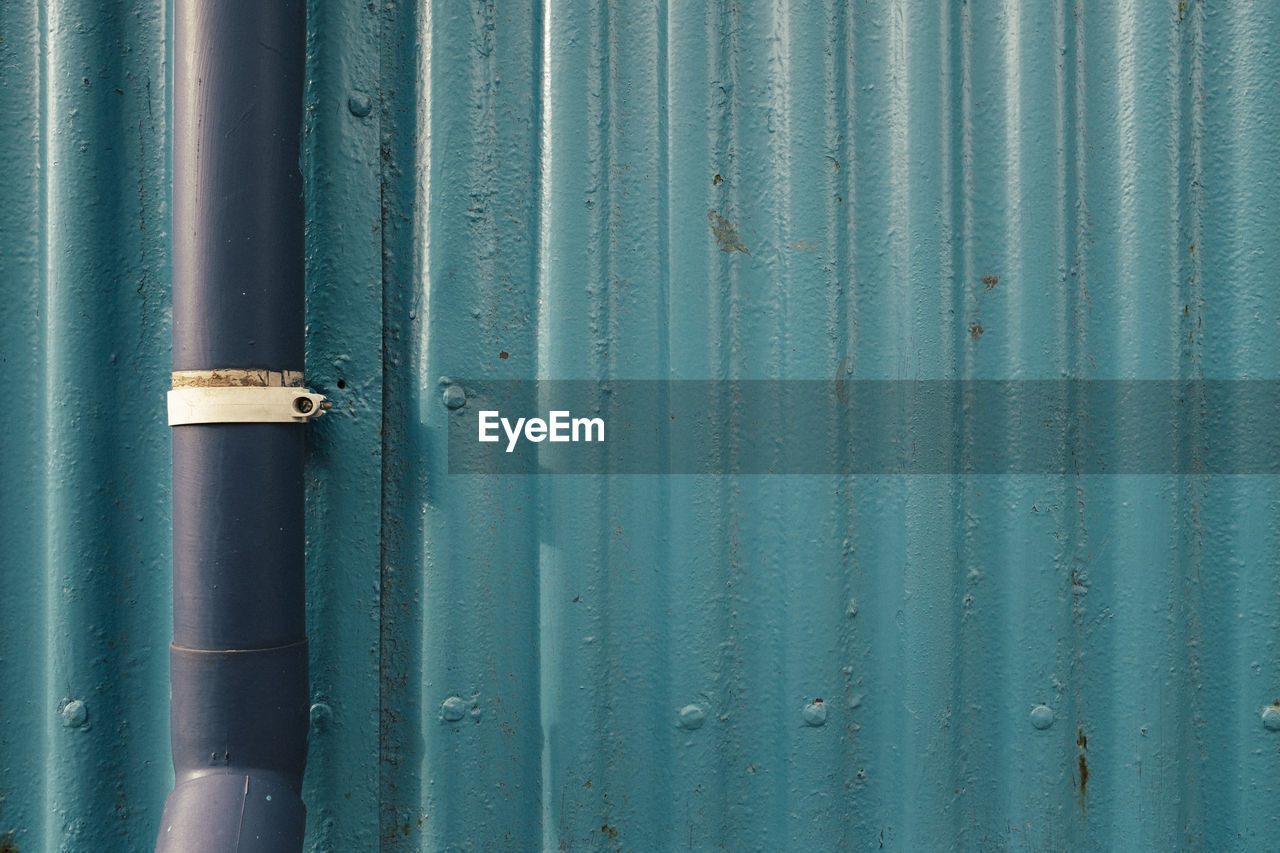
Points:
x=848 y=427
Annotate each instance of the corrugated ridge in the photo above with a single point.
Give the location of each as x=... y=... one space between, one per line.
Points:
x=1240 y=312
x=839 y=279
x=342 y=170
x=473 y=544
x=41 y=830
x=105 y=444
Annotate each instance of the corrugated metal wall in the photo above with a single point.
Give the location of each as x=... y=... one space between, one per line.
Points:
x=784 y=190
x=84 y=502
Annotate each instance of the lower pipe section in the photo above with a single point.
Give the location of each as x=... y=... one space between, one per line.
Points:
x=239 y=749
x=240 y=812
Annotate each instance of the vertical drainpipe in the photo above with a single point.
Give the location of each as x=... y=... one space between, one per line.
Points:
x=238 y=663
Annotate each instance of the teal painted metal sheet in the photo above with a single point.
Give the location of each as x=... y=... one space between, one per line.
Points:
x=83 y=352
x=649 y=191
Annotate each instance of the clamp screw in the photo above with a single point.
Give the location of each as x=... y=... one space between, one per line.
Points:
x=303 y=404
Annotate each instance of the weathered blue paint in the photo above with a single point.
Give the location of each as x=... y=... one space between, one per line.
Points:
x=86 y=452
x=341 y=170
x=981 y=190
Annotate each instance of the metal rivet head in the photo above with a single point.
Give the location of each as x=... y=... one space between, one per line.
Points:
x=321 y=716
x=815 y=713
x=302 y=405
x=454 y=397
x=453 y=709
x=1271 y=718
x=74 y=714
x=692 y=717
x=359 y=105
x=1042 y=717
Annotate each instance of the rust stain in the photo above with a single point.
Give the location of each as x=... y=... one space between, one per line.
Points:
x=726 y=234
x=841 y=372
x=504 y=355
x=976 y=330
x=990 y=281
x=717 y=180
x=1082 y=763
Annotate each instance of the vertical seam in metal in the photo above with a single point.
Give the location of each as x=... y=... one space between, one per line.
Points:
x=385 y=33
x=44 y=122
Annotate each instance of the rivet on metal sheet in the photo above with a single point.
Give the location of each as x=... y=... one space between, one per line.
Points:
x=815 y=713
x=321 y=716
x=454 y=397
x=692 y=717
x=359 y=105
x=1042 y=717
x=453 y=709
x=74 y=714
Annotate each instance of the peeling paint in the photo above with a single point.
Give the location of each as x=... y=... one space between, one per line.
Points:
x=726 y=234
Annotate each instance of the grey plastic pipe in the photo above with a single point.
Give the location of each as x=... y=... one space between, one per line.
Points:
x=238 y=663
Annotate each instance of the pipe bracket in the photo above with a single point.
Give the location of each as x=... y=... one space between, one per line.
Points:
x=242 y=396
